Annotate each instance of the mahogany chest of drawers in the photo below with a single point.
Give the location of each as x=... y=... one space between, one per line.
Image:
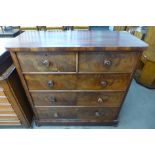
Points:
x=76 y=77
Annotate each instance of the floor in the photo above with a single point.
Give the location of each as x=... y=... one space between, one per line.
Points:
x=138 y=111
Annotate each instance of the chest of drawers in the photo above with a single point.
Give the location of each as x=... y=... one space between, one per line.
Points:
x=76 y=77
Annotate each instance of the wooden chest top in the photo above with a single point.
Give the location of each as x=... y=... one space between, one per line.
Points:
x=75 y=41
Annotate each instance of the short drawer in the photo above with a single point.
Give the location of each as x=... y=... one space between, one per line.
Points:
x=77 y=113
x=47 y=61
x=78 y=82
x=107 y=61
x=107 y=99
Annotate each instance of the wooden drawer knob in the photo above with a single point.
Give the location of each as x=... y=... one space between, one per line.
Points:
x=52 y=99
x=107 y=62
x=104 y=83
x=98 y=114
x=56 y=115
x=46 y=63
x=50 y=83
x=100 y=100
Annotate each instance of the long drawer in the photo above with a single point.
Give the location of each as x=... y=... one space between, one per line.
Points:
x=107 y=61
x=78 y=82
x=107 y=99
x=47 y=61
x=96 y=113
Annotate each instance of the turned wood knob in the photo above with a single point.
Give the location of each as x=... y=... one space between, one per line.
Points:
x=104 y=83
x=52 y=99
x=50 y=83
x=56 y=115
x=97 y=113
x=107 y=62
x=100 y=100
x=46 y=63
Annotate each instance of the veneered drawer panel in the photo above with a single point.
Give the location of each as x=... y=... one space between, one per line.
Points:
x=77 y=113
x=107 y=99
x=78 y=82
x=47 y=61
x=107 y=61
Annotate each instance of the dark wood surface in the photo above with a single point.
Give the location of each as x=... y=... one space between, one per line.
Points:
x=75 y=41
x=107 y=61
x=86 y=62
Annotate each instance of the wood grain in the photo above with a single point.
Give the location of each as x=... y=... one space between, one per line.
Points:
x=77 y=113
x=96 y=61
x=75 y=41
x=47 y=62
x=106 y=99
x=78 y=82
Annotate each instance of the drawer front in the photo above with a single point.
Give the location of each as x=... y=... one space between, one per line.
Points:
x=78 y=99
x=95 y=113
x=47 y=61
x=78 y=82
x=107 y=61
